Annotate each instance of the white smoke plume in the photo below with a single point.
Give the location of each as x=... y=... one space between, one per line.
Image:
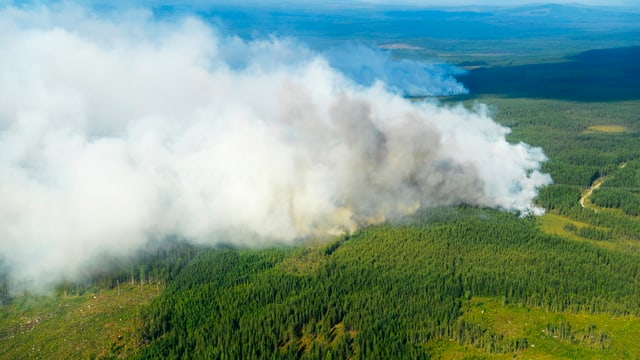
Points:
x=113 y=132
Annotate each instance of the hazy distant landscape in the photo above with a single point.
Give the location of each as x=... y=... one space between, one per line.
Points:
x=359 y=182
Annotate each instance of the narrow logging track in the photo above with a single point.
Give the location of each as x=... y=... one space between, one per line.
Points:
x=584 y=200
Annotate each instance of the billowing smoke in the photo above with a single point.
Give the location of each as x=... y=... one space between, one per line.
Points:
x=404 y=76
x=113 y=132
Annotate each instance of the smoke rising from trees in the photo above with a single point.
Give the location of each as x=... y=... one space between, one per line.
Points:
x=114 y=132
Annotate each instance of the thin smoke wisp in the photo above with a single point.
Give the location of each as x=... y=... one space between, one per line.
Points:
x=407 y=77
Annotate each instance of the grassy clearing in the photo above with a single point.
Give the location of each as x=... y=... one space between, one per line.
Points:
x=550 y=335
x=92 y=325
x=554 y=224
x=613 y=129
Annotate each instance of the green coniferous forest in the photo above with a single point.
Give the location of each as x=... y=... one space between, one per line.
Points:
x=456 y=282
x=386 y=291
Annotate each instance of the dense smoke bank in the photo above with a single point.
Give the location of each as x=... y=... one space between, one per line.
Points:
x=115 y=132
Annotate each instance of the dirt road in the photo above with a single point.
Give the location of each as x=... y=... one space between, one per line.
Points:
x=583 y=200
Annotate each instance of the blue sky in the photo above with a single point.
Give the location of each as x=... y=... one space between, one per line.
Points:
x=345 y=3
x=497 y=2
x=435 y=3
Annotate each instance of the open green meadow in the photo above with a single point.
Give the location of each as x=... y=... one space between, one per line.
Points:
x=549 y=335
x=100 y=324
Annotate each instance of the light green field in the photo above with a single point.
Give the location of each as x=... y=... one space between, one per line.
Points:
x=554 y=224
x=549 y=335
x=93 y=325
x=613 y=129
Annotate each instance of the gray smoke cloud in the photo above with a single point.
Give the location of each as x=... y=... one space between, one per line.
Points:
x=113 y=132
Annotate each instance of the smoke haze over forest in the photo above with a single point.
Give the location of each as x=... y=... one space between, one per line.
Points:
x=114 y=132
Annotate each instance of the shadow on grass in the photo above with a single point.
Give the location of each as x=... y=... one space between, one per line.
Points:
x=594 y=75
